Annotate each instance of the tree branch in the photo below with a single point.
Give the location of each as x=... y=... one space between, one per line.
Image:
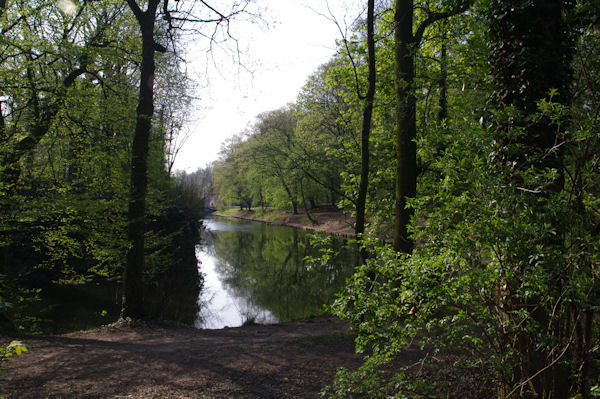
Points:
x=432 y=17
x=135 y=9
x=223 y=17
x=159 y=47
x=70 y=78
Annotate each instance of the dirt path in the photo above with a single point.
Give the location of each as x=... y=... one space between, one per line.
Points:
x=292 y=360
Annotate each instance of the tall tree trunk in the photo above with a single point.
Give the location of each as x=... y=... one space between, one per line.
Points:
x=361 y=201
x=3 y=135
x=406 y=128
x=291 y=196
x=405 y=47
x=132 y=280
x=531 y=56
x=308 y=215
x=2 y=7
x=443 y=83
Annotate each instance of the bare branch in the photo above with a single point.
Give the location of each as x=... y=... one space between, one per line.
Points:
x=343 y=33
x=223 y=17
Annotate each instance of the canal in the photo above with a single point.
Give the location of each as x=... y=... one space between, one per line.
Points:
x=252 y=273
x=260 y=273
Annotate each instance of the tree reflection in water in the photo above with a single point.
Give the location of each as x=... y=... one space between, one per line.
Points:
x=258 y=272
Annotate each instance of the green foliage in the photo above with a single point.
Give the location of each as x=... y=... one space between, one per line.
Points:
x=12 y=349
x=504 y=280
x=505 y=271
x=67 y=113
x=483 y=273
x=292 y=157
x=194 y=189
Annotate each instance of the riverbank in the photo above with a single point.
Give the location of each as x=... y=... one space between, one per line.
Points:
x=290 y=360
x=325 y=218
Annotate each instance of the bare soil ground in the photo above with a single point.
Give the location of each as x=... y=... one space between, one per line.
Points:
x=325 y=218
x=292 y=360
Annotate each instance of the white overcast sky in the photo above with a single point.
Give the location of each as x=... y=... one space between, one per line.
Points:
x=281 y=57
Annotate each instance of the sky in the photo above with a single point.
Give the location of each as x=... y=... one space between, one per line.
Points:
x=277 y=60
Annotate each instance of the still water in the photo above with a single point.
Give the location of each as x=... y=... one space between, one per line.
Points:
x=254 y=272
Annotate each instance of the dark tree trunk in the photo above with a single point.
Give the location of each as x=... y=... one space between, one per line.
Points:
x=261 y=199
x=2 y=124
x=530 y=56
x=405 y=47
x=292 y=198
x=406 y=128
x=443 y=103
x=132 y=281
x=308 y=215
x=359 y=227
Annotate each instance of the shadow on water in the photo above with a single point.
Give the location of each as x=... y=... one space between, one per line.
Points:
x=248 y=272
x=260 y=273
x=172 y=285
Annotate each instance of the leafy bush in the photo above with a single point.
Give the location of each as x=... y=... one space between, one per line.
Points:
x=14 y=348
x=504 y=283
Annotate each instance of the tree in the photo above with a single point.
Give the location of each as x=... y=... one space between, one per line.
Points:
x=325 y=136
x=50 y=70
x=406 y=45
x=147 y=19
x=532 y=52
x=274 y=150
x=50 y=64
x=233 y=173
x=506 y=269
x=361 y=200
x=132 y=280
x=69 y=77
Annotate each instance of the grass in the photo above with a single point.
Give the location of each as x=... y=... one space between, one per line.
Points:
x=267 y=214
x=227 y=212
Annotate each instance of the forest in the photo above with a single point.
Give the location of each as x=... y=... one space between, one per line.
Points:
x=463 y=136
x=86 y=189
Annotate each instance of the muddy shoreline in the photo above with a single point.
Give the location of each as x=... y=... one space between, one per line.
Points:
x=327 y=219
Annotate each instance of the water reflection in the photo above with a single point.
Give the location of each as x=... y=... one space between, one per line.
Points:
x=258 y=272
